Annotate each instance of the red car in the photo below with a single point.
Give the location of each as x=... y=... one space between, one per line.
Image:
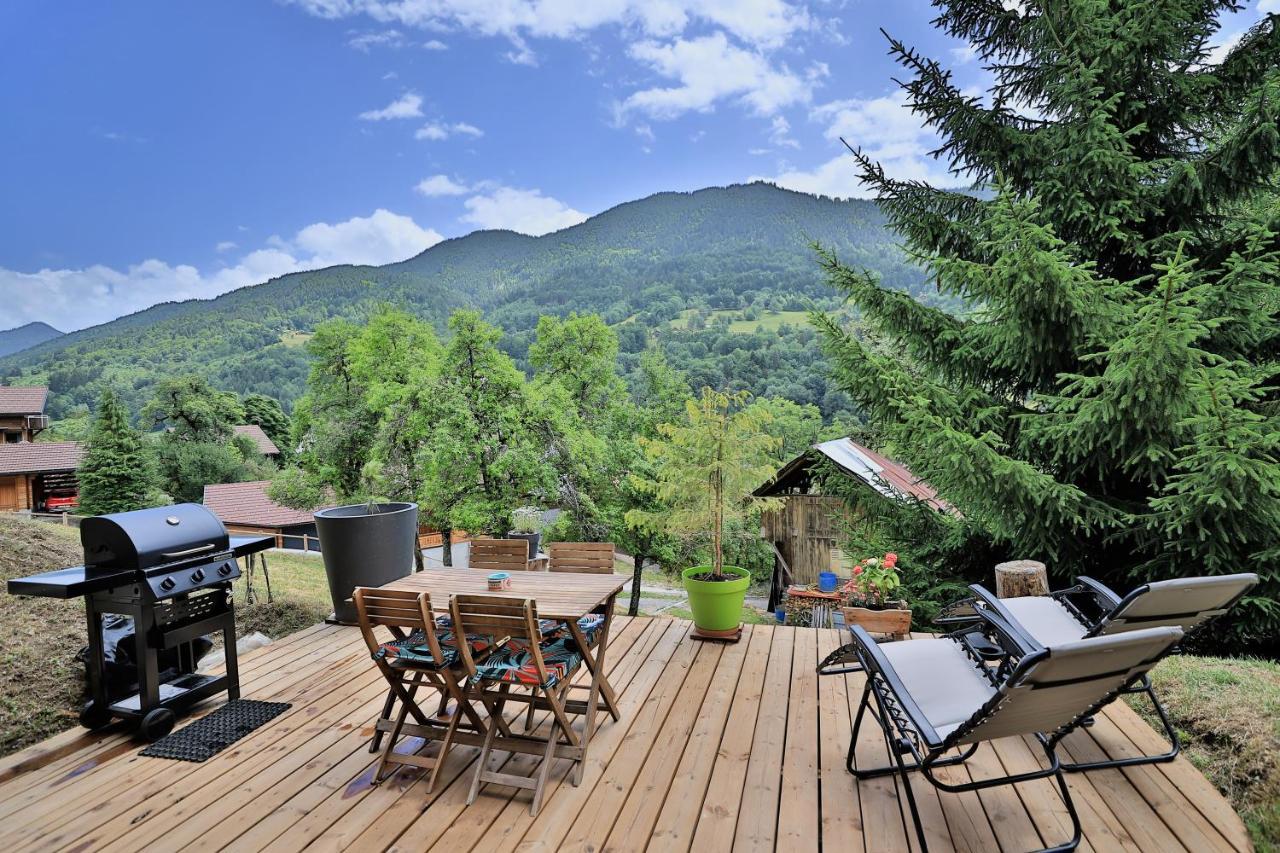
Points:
x=63 y=503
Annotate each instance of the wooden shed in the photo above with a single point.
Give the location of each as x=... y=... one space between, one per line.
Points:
x=806 y=531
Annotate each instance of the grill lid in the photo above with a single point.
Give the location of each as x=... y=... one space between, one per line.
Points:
x=144 y=538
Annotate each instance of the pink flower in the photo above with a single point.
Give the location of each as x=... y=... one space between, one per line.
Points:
x=857 y=570
x=891 y=559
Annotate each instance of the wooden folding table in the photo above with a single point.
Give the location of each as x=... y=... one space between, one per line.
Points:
x=563 y=597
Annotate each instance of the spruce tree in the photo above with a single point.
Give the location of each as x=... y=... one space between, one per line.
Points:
x=1108 y=400
x=117 y=472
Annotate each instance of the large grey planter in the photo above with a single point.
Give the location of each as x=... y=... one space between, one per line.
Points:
x=365 y=548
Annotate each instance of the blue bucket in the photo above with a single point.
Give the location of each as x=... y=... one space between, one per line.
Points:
x=781 y=615
x=827 y=581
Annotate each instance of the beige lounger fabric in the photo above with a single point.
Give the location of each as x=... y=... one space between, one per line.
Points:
x=941 y=678
x=1072 y=679
x=1048 y=621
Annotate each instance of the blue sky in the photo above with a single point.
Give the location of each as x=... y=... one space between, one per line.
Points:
x=158 y=150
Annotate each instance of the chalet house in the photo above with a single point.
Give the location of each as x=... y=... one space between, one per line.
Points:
x=37 y=476
x=265 y=445
x=245 y=508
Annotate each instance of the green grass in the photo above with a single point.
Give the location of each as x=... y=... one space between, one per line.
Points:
x=300 y=594
x=1227 y=712
x=770 y=321
x=293 y=339
x=750 y=616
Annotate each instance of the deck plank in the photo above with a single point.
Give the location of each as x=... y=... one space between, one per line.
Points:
x=719 y=747
x=841 y=827
x=678 y=818
x=718 y=817
x=758 y=809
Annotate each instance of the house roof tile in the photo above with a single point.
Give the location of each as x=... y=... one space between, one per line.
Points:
x=247 y=503
x=266 y=446
x=27 y=457
x=22 y=400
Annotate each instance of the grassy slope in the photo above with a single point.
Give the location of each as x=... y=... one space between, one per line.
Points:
x=1227 y=712
x=40 y=680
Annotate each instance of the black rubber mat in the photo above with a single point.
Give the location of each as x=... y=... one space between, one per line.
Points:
x=210 y=735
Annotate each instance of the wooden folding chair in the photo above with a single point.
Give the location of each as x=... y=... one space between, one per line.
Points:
x=594 y=558
x=499 y=555
x=417 y=656
x=526 y=660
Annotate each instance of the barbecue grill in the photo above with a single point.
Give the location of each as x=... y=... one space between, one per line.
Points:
x=170 y=569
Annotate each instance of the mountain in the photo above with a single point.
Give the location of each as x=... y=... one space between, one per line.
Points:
x=719 y=277
x=23 y=337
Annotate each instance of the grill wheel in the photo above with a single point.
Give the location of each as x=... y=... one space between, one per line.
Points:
x=157 y=723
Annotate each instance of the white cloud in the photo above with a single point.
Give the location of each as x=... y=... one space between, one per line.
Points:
x=764 y=23
x=408 y=105
x=887 y=131
x=780 y=133
x=1267 y=7
x=436 y=131
x=366 y=41
x=434 y=44
x=225 y=246
x=708 y=69
x=75 y=298
x=438 y=185
x=526 y=211
x=964 y=55
x=377 y=239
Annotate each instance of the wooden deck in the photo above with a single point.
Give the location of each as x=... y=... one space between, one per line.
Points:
x=719 y=747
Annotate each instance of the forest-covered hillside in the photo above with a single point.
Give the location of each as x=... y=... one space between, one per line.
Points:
x=23 y=337
x=719 y=277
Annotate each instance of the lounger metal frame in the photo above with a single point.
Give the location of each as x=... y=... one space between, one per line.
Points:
x=907 y=731
x=1107 y=604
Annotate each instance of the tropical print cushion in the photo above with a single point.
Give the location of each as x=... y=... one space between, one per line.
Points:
x=414 y=650
x=589 y=625
x=513 y=663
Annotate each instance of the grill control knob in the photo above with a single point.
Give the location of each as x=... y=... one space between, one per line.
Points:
x=197 y=575
x=167 y=584
x=224 y=570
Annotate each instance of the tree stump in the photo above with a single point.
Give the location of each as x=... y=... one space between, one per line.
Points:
x=1021 y=577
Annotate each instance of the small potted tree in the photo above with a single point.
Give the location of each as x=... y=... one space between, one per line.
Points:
x=871 y=596
x=527 y=524
x=704 y=470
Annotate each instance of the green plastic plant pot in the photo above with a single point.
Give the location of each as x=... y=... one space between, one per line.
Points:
x=717 y=605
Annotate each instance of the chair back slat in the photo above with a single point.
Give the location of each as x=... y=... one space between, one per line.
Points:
x=585 y=557
x=1054 y=688
x=499 y=617
x=499 y=555
x=1186 y=603
x=402 y=611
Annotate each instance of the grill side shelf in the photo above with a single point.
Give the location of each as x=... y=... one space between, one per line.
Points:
x=67 y=583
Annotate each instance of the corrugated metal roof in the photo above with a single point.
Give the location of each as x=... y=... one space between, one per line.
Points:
x=22 y=400
x=266 y=446
x=887 y=477
x=247 y=503
x=27 y=457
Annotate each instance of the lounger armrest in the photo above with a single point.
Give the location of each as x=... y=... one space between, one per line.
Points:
x=875 y=663
x=1011 y=639
x=1103 y=595
x=1010 y=635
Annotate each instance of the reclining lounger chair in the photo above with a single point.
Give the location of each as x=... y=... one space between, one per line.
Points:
x=1090 y=609
x=932 y=696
